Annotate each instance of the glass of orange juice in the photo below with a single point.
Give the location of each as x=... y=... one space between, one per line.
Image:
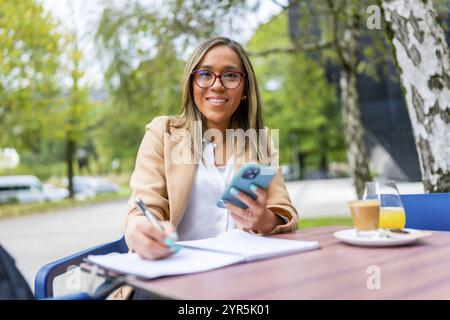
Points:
x=392 y=213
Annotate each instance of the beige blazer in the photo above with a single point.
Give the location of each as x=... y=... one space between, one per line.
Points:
x=165 y=185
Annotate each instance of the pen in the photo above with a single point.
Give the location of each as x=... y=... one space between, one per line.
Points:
x=167 y=240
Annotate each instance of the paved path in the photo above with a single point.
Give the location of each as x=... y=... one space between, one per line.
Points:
x=41 y=238
x=320 y=198
x=38 y=239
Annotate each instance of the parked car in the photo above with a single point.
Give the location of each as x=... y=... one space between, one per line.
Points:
x=288 y=172
x=105 y=186
x=52 y=193
x=21 y=189
x=90 y=186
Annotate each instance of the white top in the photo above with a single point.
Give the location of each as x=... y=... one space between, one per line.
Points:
x=203 y=218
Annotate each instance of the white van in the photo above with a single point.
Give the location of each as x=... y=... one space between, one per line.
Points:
x=22 y=189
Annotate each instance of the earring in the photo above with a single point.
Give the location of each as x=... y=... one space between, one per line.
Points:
x=244 y=97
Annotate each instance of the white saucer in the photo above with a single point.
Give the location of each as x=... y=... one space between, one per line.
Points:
x=349 y=236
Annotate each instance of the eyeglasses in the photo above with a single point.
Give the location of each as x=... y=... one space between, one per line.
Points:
x=205 y=78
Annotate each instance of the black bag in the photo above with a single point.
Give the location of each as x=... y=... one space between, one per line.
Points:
x=12 y=284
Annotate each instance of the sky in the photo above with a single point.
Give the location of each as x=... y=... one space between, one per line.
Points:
x=76 y=15
x=86 y=12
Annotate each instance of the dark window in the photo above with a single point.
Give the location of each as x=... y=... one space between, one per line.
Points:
x=14 y=188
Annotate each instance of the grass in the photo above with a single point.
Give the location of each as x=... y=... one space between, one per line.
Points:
x=16 y=210
x=306 y=223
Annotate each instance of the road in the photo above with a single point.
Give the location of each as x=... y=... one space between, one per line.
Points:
x=41 y=238
x=38 y=239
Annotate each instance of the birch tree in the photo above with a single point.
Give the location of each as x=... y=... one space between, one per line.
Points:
x=423 y=57
x=346 y=46
x=338 y=36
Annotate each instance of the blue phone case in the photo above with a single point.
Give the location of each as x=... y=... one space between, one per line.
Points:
x=248 y=174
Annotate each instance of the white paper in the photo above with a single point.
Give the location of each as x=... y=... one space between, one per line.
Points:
x=203 y=255
x=183 y=262
x=250 y=247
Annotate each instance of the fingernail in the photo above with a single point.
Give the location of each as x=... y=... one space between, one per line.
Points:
x=168 y=241
x=174 y=236
x=234 y=191
x=253 y=187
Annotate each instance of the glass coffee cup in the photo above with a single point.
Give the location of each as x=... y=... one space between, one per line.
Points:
x=366 y=217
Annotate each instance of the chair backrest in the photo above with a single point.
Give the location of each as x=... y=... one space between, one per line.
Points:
x=43 y=283
x=427 y=211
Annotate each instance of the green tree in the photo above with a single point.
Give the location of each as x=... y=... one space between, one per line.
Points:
x=335 y=28
x=29 y=60
x=145 y=49
x=332 y=30
x=74 y=115
x=297 y=99
x=346 y=34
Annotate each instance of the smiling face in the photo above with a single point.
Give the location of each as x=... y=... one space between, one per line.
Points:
x=217 y=103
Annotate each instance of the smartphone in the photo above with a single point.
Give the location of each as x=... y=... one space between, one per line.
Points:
x=247 y=175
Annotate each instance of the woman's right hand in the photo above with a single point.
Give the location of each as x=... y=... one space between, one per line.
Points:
x=148 y=241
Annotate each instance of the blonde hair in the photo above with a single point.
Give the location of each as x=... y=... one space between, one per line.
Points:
x=248 y=115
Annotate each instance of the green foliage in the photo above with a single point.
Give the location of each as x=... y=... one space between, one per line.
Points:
x=147 y=48
x=375 y=49
x=144 y=49
x=74 y=115
x=29 y=60
x=42 y=171
x=306 y=223
x=297 y=97
x=442 y=8
x=42 y=101
x=142 y=85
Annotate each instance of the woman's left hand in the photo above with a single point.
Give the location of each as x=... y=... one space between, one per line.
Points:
x=256 y=217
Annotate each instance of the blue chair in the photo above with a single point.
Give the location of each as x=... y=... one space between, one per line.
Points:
x=429 y=211
x=43 y=284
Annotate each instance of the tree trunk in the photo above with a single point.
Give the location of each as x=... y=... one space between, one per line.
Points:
x=70 y=151
x=324 y=163
x=347 y=47
x=353 y=130
x=293 y=18
x=423 y=57
x=297 y=170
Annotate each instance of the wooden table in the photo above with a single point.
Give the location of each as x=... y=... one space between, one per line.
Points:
x=336 y=271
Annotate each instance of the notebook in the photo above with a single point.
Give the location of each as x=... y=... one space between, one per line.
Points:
x=233 y=247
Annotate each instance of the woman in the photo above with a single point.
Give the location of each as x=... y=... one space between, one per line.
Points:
x=180 y=181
